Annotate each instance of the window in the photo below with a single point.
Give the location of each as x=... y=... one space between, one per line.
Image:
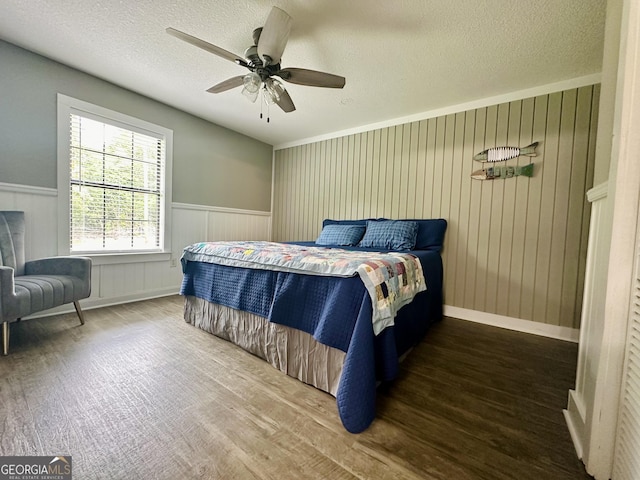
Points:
x=116 y=187
x=113 y=170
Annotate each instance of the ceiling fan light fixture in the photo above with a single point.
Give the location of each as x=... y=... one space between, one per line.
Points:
x=252 y=82
x=273 y=90
x=252 y=96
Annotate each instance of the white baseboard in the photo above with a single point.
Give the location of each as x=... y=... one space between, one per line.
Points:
x=573 y=431
x=511 y=323
x=575 y=417
x=107 y=302
x=91 y=303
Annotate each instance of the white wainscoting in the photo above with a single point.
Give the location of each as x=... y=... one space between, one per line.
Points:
x=40 y=206
x=578 y=408
x=140 y=277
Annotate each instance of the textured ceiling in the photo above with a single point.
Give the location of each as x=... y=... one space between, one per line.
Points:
x=399 y=57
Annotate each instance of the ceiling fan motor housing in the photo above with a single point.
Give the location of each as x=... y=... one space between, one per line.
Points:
x=251 y=54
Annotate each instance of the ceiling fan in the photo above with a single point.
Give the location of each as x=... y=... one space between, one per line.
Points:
x=262 y=59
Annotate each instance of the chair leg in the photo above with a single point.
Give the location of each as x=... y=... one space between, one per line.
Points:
x=5 y=338
x=79 y=312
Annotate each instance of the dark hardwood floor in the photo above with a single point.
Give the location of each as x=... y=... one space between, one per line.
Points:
x=138 y=393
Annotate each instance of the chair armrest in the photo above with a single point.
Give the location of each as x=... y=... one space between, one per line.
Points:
x=7 y=293
x=75 y=266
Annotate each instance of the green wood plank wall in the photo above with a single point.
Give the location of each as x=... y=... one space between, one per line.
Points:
x=514 y=247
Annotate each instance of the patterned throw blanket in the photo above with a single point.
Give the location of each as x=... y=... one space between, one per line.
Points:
x=392 y=279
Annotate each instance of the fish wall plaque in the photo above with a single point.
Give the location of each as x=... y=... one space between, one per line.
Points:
x=492 y=173
x=500 y=154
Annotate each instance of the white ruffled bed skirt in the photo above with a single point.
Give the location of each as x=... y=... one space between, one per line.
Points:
x=291 y=351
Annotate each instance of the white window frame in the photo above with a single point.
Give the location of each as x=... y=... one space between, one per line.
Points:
x=68 y=105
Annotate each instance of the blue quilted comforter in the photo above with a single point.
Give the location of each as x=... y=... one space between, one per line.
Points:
x=392 y=279
x=336 y=311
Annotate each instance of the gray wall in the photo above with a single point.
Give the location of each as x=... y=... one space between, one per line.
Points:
x=514 y=247
x=211 y=164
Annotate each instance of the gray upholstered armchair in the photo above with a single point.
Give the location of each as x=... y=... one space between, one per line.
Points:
x=29 y=287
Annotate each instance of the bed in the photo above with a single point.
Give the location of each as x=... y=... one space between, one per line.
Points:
x=338 y=313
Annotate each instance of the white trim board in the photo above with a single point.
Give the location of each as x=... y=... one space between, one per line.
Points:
x=517 y=324
x=598 y=192
x=463 y=107
x=212 y=208
x=573 y=431
x=28 y=189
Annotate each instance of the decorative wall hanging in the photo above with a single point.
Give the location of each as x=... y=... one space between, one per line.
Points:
x=492 y=173
x=501 y=154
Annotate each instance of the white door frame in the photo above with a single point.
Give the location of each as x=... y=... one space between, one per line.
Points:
x=625 y=177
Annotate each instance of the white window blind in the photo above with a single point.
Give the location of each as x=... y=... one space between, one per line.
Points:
x=116 y=187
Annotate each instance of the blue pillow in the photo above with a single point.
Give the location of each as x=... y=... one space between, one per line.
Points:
x=430 y=233
x=390 y=235
x=341 y=235
x=363 y=222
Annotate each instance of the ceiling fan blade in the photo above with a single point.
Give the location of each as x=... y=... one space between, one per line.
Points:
x=285 y=102
x=209 y=47
x=312 y=78
x=228 y=84
x=274 y=36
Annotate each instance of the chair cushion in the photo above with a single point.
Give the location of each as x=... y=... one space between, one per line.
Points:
x=41 y=292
